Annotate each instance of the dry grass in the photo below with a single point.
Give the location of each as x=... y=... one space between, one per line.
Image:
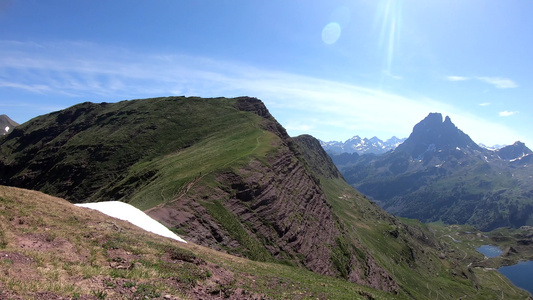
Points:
x=52 y=249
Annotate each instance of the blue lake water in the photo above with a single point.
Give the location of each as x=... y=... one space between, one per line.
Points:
x=490 y=251
x=520 y=274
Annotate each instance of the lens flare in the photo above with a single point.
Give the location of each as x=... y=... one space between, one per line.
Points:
x=331 y=33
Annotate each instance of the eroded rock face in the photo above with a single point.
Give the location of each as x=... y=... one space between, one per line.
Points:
x=279 y=205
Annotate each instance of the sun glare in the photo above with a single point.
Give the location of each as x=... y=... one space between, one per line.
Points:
x=389 y=16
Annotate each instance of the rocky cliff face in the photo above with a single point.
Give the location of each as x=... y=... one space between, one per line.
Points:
x=433 y=134
x=515 y=151
x=315 y=157
x=279 y=208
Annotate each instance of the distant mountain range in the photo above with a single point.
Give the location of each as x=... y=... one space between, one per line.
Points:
x=440 y=174
x=6 y=125
x=361 y=145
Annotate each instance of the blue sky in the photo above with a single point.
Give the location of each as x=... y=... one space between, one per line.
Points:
x=332 y=69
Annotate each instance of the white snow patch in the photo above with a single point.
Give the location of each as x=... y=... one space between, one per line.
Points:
x=127 y=212
x=458 y=148
x=519 y=158
x=438 y=166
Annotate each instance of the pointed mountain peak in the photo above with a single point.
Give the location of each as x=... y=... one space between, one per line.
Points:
x=434 y=134
x=433 y=117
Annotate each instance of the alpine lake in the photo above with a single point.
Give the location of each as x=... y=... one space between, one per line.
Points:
x=520 y=274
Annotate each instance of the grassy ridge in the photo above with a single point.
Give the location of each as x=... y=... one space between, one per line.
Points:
x=93 y=152
x=233 y=145
x=79 y=253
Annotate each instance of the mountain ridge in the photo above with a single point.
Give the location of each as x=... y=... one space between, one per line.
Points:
x=434 y=133
x=360 y=145
x=440 y=174
x=224 y=174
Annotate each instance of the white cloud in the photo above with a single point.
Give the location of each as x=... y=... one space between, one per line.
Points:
x=486 y=132
x=457 y=78
x=498 y=82
x=327 y=109
x=34 y=88
x=484 y=104
x=388 y=73
x=506 y=113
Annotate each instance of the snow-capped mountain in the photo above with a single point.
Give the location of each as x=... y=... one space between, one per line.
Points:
x=493 y=147
x=362 y=145
x=440 y=174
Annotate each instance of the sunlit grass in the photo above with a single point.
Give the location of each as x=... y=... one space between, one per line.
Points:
x=87 y=268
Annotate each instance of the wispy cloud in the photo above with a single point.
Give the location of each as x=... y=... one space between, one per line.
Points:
x=326 y=109
x=34 y=88
x=484 y=104
x=456 y=78
x=498 y=82
x=388 y=73
x=506 y=113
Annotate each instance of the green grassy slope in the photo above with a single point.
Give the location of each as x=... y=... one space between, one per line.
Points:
x=103 y=151
x=422 y=259
x=50 y=249
x=188 y=161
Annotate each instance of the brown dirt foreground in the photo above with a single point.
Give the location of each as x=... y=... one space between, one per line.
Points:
x=51 y=249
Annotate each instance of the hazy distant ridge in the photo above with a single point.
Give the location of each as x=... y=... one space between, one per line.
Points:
x=362 y=145
x=440 y=174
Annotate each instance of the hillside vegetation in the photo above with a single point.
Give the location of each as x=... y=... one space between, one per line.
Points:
x=223 y=173
x=51 y=249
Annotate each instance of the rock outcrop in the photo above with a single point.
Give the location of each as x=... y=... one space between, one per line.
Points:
x=515 y=151
x=280 y=210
